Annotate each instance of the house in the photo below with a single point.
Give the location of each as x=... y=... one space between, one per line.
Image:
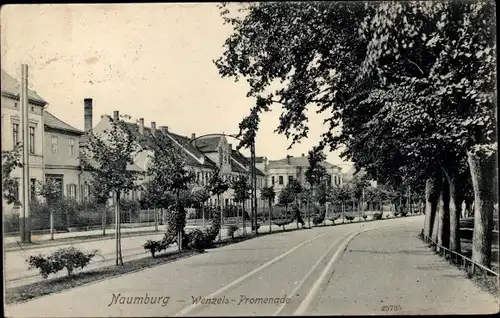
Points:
x=283 y=171
x=204 y=155
x=11 y=125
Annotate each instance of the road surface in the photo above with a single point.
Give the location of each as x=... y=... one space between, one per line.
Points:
x=385 y=269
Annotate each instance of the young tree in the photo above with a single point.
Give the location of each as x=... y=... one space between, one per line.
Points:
x=51 y=192
x=199 y=196
x=10 y=186
x=168 y=173
x=268 y=194
x=108 y=159
x=242 y=188
x=297 y=189
x=217 y=186
x=286 y=197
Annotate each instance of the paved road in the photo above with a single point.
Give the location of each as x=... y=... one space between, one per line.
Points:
x=305 y=272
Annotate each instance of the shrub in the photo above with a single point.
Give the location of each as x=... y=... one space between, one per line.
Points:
x=281 y=223
x=377 y=216
x=156 y=246
x=68 y=258
x=349 y=218
x=197 y=240
x=365 y=216
x=404 y=213
x=231 y=229
x=334 y=218
x=253 y=227
x=214 y=230
x=395 y=214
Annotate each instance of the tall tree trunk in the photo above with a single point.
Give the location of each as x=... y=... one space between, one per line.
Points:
x=432 y=189
x=483 y=168
x=456 y=199
x=444 y=215
x=244 y=225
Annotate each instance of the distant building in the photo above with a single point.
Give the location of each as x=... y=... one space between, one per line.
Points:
x=283 y=171
x=203 y=154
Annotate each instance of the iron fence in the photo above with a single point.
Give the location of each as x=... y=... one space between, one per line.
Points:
x=458 y=258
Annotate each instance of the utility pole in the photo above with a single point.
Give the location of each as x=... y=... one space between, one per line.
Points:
x=24 y=220
x=254 y=183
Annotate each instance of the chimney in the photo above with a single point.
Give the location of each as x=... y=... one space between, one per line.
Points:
x=193 y=136
x=87 y=114
x=116 y=115
x=288 y=159
x=164 y=129
x=153 y=128
x=141 y=126
x=303 y=155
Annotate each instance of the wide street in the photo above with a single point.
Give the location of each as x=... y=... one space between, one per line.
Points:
x=305 y=272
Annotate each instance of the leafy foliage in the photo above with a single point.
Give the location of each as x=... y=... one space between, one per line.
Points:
x=216 y=184
x=242 y=188
x=231 y=229
x=69 y=258
x=10 y=161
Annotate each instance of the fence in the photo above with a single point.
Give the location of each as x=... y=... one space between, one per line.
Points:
x=454 y=256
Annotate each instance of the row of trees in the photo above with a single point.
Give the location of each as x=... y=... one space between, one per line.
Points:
x=411 y=85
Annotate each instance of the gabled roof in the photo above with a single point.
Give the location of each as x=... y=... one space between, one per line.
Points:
x=242 y=160
x=53 y=122
x=296 y=162
x=12 y=88
x=208 y=144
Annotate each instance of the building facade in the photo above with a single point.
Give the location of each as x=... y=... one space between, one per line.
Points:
x=12 y=134
x=281 y=172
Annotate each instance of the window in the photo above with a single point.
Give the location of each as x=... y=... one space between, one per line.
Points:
x=16 y=190
x=54 y=145
x=272 y=180
x=290 y=179
x=33 y=188
x=329 y=179
x=280 y=180
x=71 y=147
x=32 y=140
x=72 y=191
x=15 y=133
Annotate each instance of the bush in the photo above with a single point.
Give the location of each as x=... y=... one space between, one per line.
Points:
x=349 y=218
x=404 y=213
x=395 y=214
x=231 y=229
x=365 y=216
x=68 y=258
x=253 y=227
x=197 y=240
x=282 y=223
x=377 y=216
x=214 y=230
x=156 y=246
x=334 y=218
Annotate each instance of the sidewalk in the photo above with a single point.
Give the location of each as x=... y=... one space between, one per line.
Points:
x=17 y=273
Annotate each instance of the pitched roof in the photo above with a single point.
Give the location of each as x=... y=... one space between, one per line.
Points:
x=12 y=87
x=241 y=159
x=90 y=161
x=207 y=144
x=296 y=162
x=53 y=122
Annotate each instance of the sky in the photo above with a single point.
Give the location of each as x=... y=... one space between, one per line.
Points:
x=151 y=61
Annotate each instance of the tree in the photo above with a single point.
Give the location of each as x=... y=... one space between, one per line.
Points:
x=10 y=186
x=217 y=186
x=268 y=194
x=108 y=159
x=286 y=197
x=414 y=91
x=168 y=173
x=242 y=188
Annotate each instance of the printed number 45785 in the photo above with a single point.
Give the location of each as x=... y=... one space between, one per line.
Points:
x=391 y=308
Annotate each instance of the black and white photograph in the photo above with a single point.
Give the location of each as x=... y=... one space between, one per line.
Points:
x=322 y=158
